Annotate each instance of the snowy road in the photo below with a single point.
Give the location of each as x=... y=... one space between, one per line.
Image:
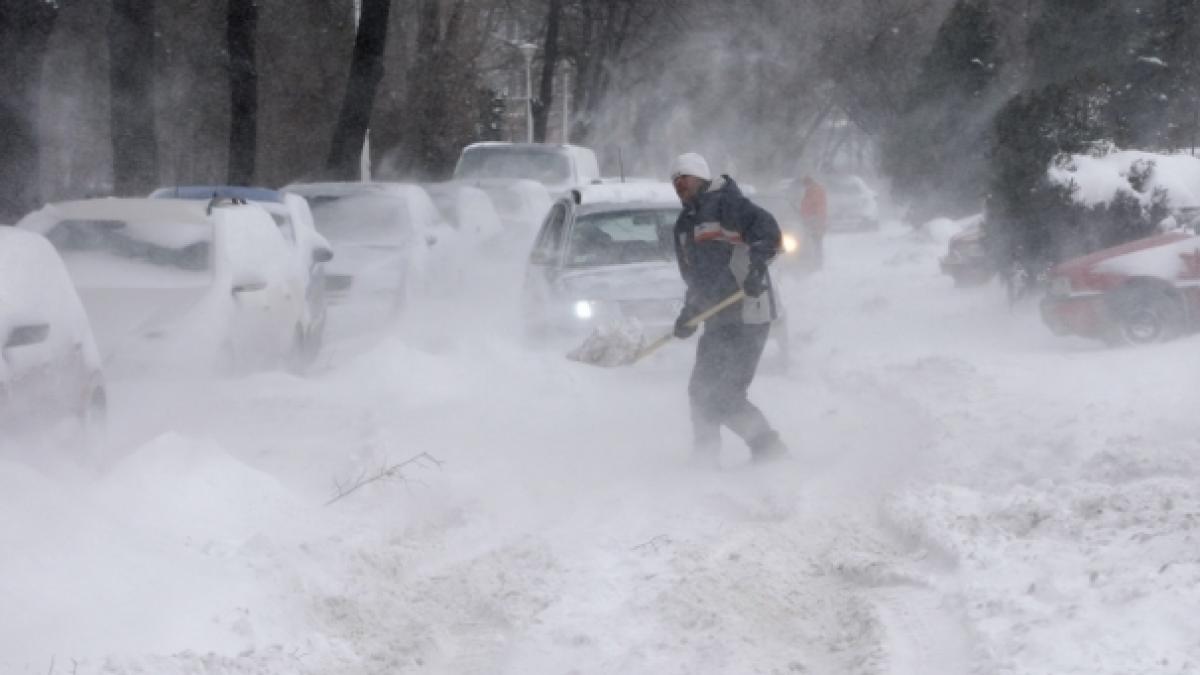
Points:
x=968 y=494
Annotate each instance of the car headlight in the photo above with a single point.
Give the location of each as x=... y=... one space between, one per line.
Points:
x=790 y=243
x=584 y=310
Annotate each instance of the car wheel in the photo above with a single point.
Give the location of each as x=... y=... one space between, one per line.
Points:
x=1145 y=315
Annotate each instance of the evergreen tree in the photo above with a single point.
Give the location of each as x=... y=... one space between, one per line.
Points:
x=1098 y=79
x=937 y=150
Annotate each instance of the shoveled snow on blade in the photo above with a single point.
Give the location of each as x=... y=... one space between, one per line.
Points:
x=616 y=343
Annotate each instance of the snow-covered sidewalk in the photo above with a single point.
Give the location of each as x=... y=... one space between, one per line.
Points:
x=968 y=494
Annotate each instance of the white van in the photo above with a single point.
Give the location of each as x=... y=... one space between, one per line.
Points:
x=558 y=167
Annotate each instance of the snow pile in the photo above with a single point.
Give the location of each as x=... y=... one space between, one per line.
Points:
x=1101 y=177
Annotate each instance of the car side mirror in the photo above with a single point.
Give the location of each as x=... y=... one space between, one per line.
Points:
x=577 y=197
x=541 y=257
x=27 y=334
x=321 y=255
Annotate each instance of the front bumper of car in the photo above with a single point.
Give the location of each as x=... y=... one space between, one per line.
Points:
x=575 y=315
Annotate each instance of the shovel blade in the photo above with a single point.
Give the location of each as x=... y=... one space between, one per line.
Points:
x=617 y=343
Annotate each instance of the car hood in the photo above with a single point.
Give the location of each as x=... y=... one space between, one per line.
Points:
x=1109 y=255
x=635 y=281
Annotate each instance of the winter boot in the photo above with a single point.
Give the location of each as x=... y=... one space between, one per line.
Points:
x=767 y=447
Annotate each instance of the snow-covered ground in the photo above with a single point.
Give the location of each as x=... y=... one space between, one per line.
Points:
x=968 y=494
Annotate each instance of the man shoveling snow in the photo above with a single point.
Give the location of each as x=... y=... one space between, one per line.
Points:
x=723 y=243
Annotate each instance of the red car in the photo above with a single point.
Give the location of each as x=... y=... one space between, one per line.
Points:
x=1140 y=292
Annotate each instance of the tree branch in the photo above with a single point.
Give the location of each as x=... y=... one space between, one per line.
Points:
x=385 y=472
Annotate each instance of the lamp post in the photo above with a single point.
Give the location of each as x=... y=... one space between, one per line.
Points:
x=566 y=97
x=527 y=50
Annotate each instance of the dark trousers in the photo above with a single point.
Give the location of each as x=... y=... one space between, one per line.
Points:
x=726 y=358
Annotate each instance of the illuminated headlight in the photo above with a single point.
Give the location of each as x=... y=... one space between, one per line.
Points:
x=790 y=243
x=1060 y=286
x=584 y=310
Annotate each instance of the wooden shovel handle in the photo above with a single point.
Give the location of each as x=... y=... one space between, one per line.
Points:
x=691 y=323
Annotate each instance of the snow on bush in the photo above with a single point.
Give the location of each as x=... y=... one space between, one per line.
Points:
x=1107 y=173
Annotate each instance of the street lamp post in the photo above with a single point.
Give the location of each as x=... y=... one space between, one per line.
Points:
x=566 y=97
x=527 y=50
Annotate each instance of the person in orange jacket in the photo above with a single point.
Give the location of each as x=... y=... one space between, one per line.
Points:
x=814 y=214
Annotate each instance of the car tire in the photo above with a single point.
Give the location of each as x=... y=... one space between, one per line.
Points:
x=1144 y=314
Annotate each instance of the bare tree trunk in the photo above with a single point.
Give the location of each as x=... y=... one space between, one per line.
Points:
x=131 y=74
x=366 y=69
x=240 y=32
x=542 y=104
x=25 y=27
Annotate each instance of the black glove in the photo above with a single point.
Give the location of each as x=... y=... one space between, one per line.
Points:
x=682 y=330
x=756 y=280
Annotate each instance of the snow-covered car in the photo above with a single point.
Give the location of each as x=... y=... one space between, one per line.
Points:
x=49 y=365
x=851 y=204
x=607 y=255
x=466 y=208
x=381 y=235
x=181 y=284
x=522 y=204
x=558 y=167
x=310 y=250
x=1140 y=292
x=967 y=260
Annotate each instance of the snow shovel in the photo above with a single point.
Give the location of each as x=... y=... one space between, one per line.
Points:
x=623 y=344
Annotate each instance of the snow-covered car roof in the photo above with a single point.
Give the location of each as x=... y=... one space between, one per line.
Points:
x=352 y=188
x=274 y=201
x=129 y=210
x=254 y=194
x=343 y=204
x=609 y=207
x=647 y=192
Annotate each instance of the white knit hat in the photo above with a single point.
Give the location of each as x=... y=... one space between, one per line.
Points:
x=690 y=164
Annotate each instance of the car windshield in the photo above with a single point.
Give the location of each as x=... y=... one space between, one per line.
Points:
x=504 y=162
x=112 y=252
x=845 y=185
x=618 y=237
x=362 y=218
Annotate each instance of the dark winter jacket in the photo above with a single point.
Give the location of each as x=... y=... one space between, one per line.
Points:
x=717 y=238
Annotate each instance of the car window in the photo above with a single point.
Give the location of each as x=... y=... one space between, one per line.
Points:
x=107 y=251
x=383 y=219
x=505 y=162
x=550 y=241
x=619 y=237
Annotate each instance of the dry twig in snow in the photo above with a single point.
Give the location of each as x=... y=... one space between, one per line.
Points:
x=383 y=473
